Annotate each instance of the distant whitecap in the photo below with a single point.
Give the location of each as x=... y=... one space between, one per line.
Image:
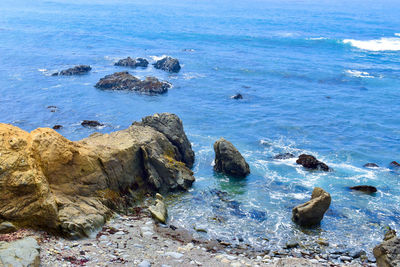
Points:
x=358 y=74
x=382 y=44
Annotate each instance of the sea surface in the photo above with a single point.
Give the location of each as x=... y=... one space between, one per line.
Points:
x=317 y=77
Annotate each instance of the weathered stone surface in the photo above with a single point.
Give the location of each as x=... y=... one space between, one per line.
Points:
x=312 y=212
x=228 y=159
x=7 y=227
x=125 y=81
x=133 y=63
x=168 y=64
x=77 y=70
x=20 y=253
x=49 y=182
x=387 y=253
x=159 y=210
x=310 y=162
x=364 y=188
x=371 y=165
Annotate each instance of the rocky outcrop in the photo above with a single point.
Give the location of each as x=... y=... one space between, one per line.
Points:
x=237 y=96
x=133 y=63
x=371 y=165
x=88 y=123
x=312 y=212
x=387 y=253
x=77 y=70
x=125 y=81
x=310 y=162
x=49 y=182
x=20 y=253
x=168 y=64
x=159 y=210
x=364 y=188
x=228 y=159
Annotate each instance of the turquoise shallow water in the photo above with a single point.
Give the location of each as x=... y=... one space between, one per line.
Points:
x=317 y=77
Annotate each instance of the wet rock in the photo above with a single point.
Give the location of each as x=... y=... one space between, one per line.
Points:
x=312 y=212
x=57 y=127
x=87 y=123
x=71 y=188
x=228 y=159
x=310 y=162
x=159 y=210
x=7 y=227
x=387 y=253
x=284 y=156
x=371 y=165
x=364 y=188
x=237 y=96
x=133 y=63
x=168 y=64
x=77 y=70
x=394 y=164
x=292 y=244
x=125 y=81
x=23 y=253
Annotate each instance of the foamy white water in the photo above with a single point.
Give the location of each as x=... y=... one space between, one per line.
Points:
x=383 y=44
x=359 y=74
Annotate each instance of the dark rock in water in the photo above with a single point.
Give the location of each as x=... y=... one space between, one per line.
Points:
x=57 y=127
x=310 y=162
x=87 y=123
x=77 y=70
x=125 y=81
x=237 y=96
x=284 y=156
x=387 y=253
x=364 y=188
x=312 y=212
x=168 y=64
x=133 y=63
x=394 y=164
x=371 y=165
x=228 y=159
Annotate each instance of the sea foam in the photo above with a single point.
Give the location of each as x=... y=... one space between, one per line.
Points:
x=383 y=44
x=359 y=74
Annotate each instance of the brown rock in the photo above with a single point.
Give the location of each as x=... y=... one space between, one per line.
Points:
x=387 y=253
x=310 y=162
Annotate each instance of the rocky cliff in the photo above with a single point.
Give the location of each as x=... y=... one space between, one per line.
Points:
x=49 y=182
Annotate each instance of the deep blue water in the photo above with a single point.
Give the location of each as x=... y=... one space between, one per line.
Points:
x=316 y=76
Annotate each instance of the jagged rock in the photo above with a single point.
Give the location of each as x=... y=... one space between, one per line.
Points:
x=171 y=126
x=7 y=227
x=125 y=81
x=228 y=159
x=20 y=253
x=387 y=253
x=159 y=210
x=310 y=162
x=284 y=156
x=237 y=96
x=133 y=63
x=168 y=64
x=312 y=212
x=371 y=165
x=87 y=123
x=77 y=70
x=71 y=188
x=364 y=188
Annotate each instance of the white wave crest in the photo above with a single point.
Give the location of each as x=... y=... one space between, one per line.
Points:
x=383 y=44
x=156 y=58
x=359 y=74
x=317 y=38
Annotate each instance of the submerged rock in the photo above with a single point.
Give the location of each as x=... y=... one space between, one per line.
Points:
x=77 y=70
x=133 y=63
x=159 y=210
x=312 y=212
x=364 y=188
x=387 y=253
x=237 y=96
x=284 y=156
x=71 y=188
x=168 y=64
x=310 y=162
x=371 y=165
x=125 y=81
x=87 y=123
x=228 y=159
x=23 y=252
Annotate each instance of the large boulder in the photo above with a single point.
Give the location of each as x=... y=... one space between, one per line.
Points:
x=133 y=63
x=77 y=70
x=71 y=188
x=124 y=81
x=168 y=64
x=228 y=159
x=387 y=253
x=20 y=253
x=312 y=212
x=310 y=162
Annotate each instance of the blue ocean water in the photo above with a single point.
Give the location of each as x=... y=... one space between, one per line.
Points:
x=318 y=77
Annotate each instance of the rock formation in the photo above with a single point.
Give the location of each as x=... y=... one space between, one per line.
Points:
x=387 y=253
x=168 y=64
x=88 y=123
x=159 y=210
x=228 y=159
x=125 y=81
x=364 y=188
x=310 y=162
x=312 y=212
x=133 y=63
x=77 y=70
x=237 y=96
x=20 y=253
x=71 y=188
x=371 y=165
